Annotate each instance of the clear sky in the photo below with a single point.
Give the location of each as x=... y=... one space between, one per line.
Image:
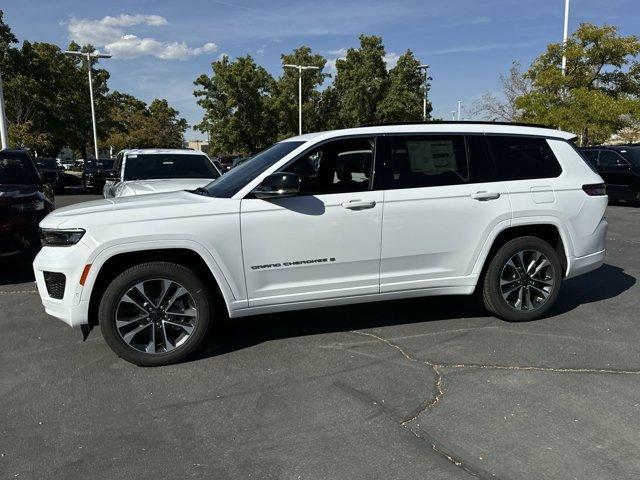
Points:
x=160 y=47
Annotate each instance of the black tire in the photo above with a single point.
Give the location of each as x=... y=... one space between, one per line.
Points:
x=492 y=295
x=152 y=271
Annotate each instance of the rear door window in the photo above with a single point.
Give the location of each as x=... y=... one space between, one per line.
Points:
x=416 y=161
x=523 y=158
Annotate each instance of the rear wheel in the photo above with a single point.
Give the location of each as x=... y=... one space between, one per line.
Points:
x=155 y=313
x=523 y=280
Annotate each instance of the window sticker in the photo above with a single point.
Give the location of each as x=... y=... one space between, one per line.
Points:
x=432 y=157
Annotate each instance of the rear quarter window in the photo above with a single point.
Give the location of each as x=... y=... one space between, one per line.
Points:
x=523 y=158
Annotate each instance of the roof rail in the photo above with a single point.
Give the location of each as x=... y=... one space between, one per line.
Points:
x=449 y=122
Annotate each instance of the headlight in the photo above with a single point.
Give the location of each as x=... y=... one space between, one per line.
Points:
x=60 y=238
x=29 y=207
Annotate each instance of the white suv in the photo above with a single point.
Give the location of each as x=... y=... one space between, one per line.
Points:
x=357 y=215
x=154 y=170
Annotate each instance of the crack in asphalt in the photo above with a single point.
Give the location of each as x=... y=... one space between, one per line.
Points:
x=440 y=392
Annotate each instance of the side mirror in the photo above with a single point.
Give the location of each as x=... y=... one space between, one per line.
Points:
x=112 y=175
x=49 y=177
x=278 y=185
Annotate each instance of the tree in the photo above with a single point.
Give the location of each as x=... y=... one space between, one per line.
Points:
x=237 y=101
x=361 y=82
x=598 y=96
x=285 y=101
x=503 y=107
x=403 y=100
x=134 y=125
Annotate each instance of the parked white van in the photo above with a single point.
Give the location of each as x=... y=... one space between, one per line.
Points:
x=357 y=215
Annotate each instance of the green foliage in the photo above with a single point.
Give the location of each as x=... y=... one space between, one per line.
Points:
x=361 y=82
x=403 y=100
x=246 y=109
x=285 y=99
x=134 y=125
x=237 y=101
x=598 y=96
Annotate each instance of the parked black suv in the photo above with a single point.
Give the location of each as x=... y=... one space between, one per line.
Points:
x=26 y=198
x=619 y=166
x=95 y=173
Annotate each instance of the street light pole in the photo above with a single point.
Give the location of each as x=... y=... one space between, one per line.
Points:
x=565 y=37
x=300 y=68
x=4 y=137
x=89 y=56
x=424 y=68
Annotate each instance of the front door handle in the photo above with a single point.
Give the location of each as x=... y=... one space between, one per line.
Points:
x=359 y=204
x=484 y=196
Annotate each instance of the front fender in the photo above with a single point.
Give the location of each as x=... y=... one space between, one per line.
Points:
x=232 y=294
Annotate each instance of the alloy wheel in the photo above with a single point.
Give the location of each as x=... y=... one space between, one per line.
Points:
x=527 y=280
x=156 y=316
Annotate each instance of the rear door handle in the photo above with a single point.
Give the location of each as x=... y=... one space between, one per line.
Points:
x=359 y=204
x=484 y=196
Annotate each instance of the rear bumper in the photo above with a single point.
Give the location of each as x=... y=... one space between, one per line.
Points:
x=580 y=265
x=597 y=245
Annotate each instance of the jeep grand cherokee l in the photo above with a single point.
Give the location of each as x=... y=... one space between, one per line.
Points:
x=340 y=217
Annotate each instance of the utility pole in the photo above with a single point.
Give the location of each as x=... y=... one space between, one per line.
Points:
x=4 y=137
x=89 y=56
x=459 y=109
x=300 y=68
x=424 y=69
x=565 y=37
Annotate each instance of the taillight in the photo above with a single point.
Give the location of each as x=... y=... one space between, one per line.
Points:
x=595 y=189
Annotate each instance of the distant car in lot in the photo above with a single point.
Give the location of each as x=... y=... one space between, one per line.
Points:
x=239 y=161
x=330 y=218
x=619 y=166
x=144 y=171
x=95 y=173
x=227 y=161
x=50 y=167
x=25 y=199
x=67 y=164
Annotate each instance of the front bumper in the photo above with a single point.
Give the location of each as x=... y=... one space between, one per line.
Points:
x=69 y=261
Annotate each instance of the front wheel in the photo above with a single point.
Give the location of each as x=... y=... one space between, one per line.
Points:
x=523 y=280
x=155 y=313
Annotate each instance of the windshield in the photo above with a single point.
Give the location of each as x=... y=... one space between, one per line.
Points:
x=230 y=183
x=17 y=169
x=100 y=164
x=632 y=154
x=168 y=165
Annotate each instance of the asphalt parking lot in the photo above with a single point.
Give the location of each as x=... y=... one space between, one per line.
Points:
x=426 y=388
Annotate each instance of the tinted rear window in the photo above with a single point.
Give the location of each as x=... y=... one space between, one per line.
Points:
x=522 y=158
x=166 y=165
x=17 y=168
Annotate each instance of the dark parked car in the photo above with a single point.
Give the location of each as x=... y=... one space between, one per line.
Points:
x=227 y=161
x=26 y=197
x=54 y=171
x=95 y=173
x=619 y=167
